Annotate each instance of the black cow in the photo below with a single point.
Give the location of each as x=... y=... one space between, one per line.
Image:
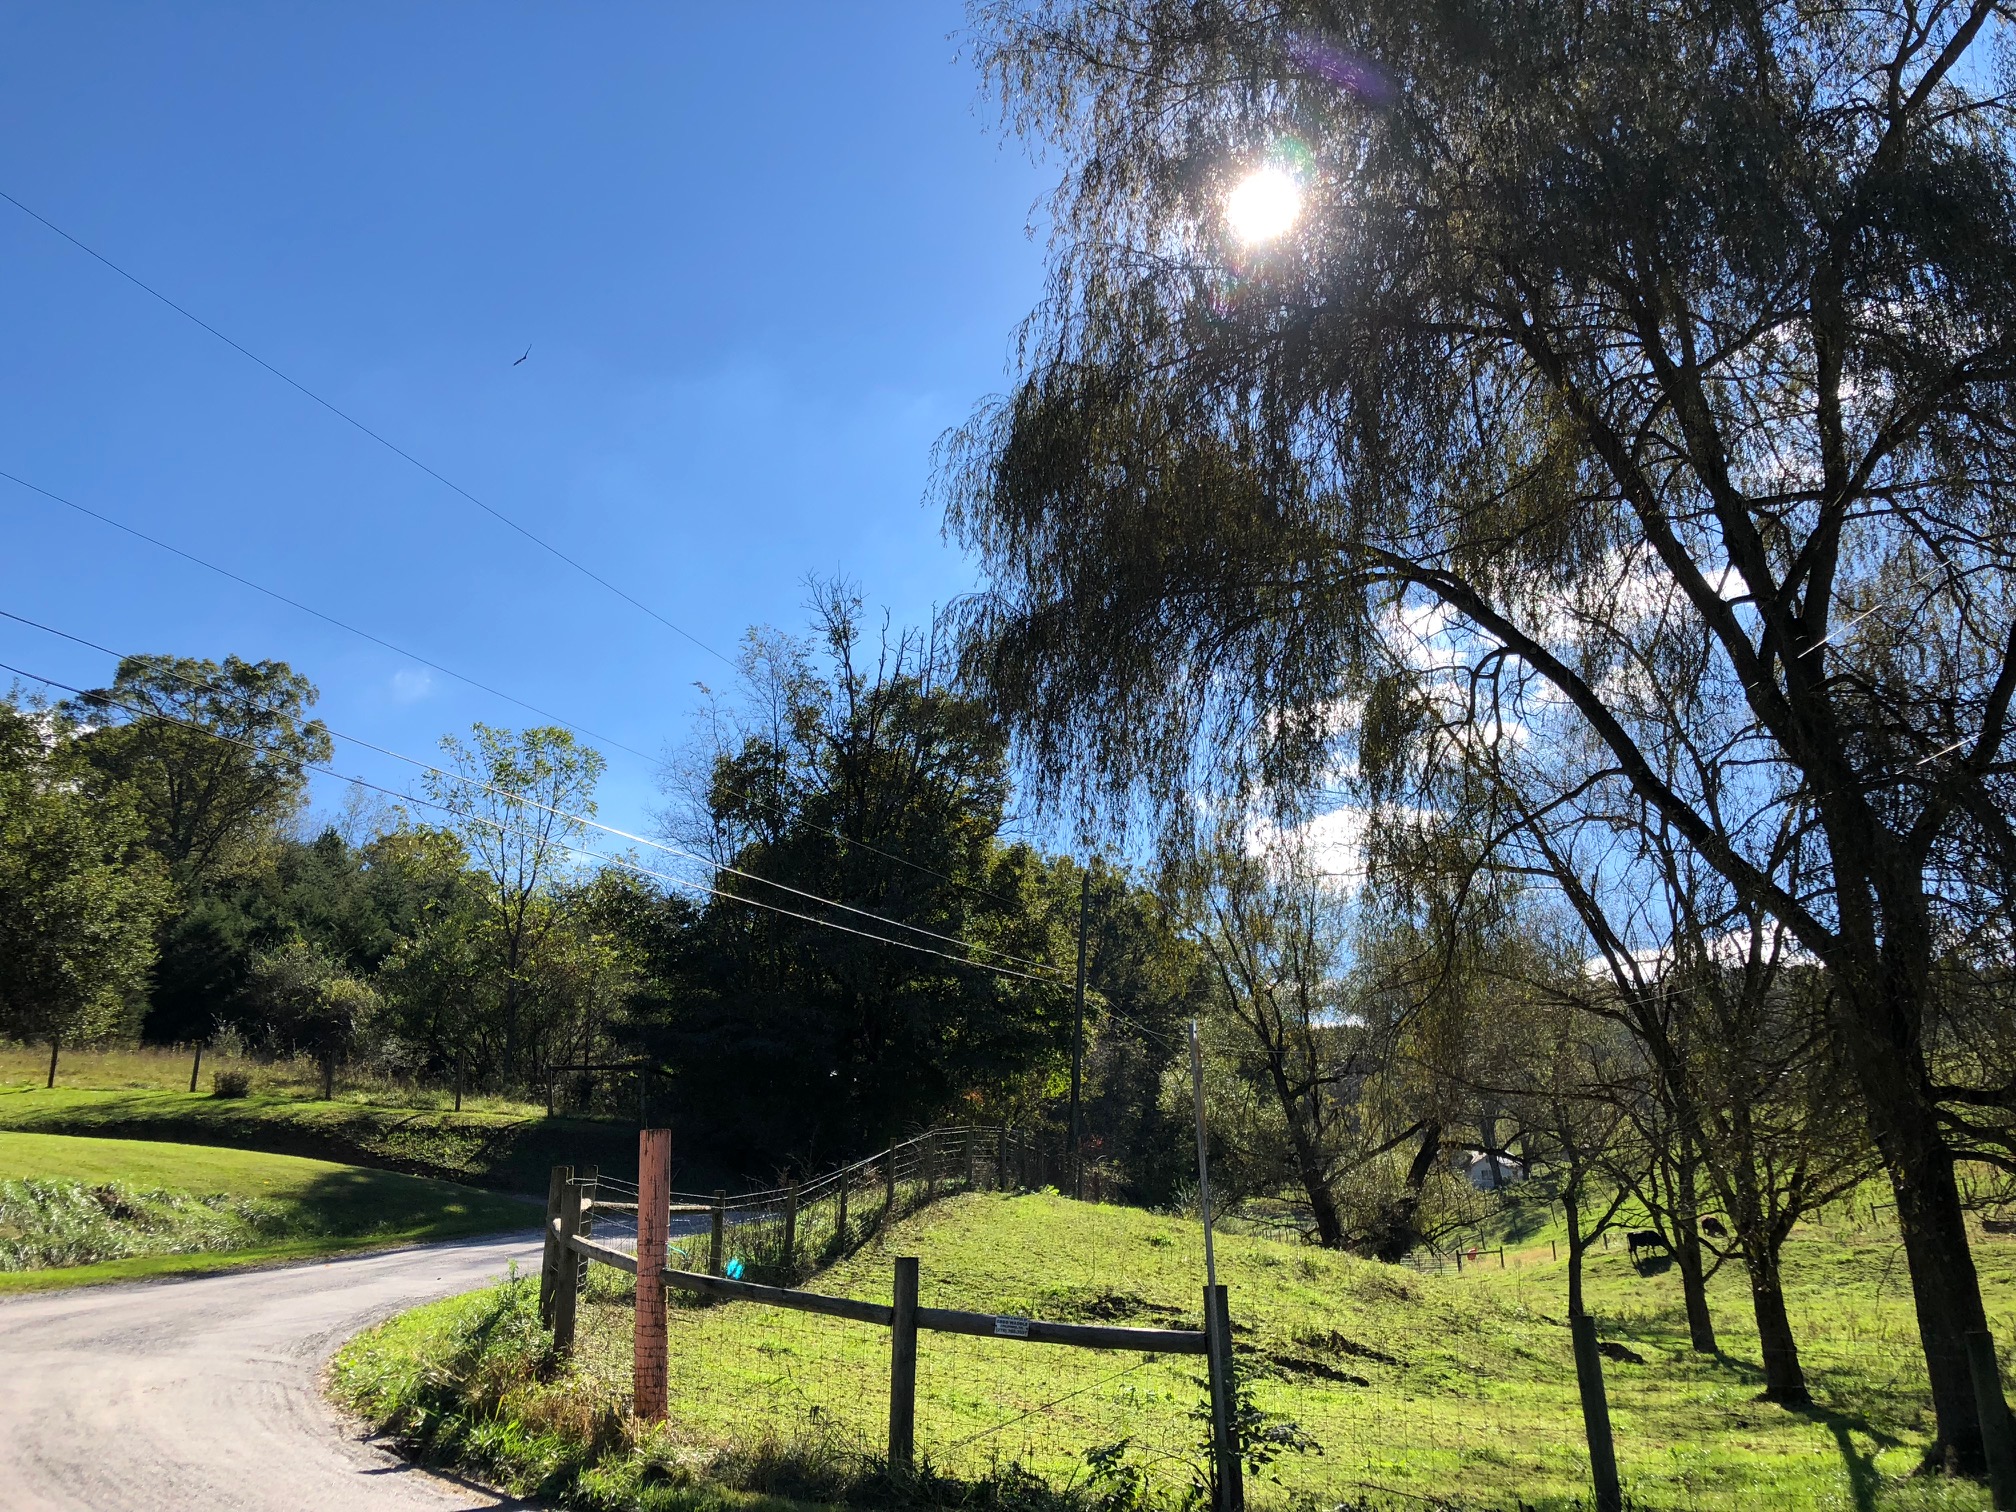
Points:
x=1643 y=1239
x=1713 y=1228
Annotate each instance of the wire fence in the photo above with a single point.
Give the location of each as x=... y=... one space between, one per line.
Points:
x=775 y=1347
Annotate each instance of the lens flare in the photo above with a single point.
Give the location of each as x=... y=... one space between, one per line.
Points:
x=1263 y=206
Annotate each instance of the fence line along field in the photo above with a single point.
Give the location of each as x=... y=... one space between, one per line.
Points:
x=1360 y=1383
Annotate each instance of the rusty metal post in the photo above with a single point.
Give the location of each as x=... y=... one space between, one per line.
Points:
x=654 y=1237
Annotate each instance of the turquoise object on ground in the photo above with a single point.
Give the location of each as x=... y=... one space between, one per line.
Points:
x=733 y=1269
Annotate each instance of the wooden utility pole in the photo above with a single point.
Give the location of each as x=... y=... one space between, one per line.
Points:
x=1078 y=1038
x=654 y=1237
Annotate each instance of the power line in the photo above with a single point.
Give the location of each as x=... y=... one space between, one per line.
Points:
x=502 y=829
x=350 y=419
x=464 y=678
x=563 y=814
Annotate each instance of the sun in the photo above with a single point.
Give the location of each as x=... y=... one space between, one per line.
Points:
x=1263 y=206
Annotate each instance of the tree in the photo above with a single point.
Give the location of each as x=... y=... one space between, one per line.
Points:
x=1275 y=937
x=849 y=771
x=518 y=802
x=212 y=754
x=79 y=894
x=1595 y=318
x=306 y=1003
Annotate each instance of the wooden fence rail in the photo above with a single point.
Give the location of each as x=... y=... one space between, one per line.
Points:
x=571 y=1248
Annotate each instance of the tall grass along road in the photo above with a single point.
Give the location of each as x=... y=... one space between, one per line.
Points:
x=203 y=1395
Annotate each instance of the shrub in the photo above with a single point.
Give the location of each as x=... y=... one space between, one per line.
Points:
x=230 y=1084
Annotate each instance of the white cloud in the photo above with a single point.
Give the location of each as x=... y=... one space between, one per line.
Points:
x=411 y=684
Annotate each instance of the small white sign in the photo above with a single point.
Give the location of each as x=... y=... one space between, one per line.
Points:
x=1011 y=1328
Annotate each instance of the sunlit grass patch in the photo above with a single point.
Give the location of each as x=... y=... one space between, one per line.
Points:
x=1407 y=1389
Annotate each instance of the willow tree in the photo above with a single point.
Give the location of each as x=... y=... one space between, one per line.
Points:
x=1591 y=314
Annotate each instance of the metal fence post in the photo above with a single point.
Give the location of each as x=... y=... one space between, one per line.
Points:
x=717 y=1243
x=1998 y=1434
x=969 y=1160
x=840 y=1223
x=654 y=1230
x=549 y=1260
x=903 y=1368
x=567 y=1284
x=1228 y=1486
x=790 y=1231
x=931 y=1165
x=1001 y=1162
x=889 y=1183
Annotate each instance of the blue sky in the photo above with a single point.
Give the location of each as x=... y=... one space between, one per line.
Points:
x=762 y=260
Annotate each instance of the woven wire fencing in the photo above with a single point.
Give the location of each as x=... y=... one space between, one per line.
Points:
x=752 y=1382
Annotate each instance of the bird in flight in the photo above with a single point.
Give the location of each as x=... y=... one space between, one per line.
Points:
x=528 y=353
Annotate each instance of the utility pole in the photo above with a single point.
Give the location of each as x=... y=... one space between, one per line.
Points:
x=1078 y=1038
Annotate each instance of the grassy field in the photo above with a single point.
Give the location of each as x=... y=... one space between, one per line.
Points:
x=144 y=1095
x=76 y=1210
x=159 y=1068
x=1401 y=1389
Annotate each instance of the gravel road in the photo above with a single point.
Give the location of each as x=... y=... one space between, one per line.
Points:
x=202 y=1395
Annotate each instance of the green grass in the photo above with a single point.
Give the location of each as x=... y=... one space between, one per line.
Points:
x=166 y=1068
x=1459 y=1391
x=74 y=1210
x=510 y=1150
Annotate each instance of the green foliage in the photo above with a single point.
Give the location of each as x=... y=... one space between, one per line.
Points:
x=79 y=898
x=860 y=778
x=44 y=1224
x=214 y=755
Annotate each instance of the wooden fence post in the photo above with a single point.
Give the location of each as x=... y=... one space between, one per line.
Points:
x=717 y=1242
x=969 y=1159
x=654 y=1237
x=1001 y=1162
x=1998 y=1434
x=549 y=1260
x=197 y=1069
x=840 y=1223
x=567 y=1284
x=790 y=1231
x=903 y=1368
x=889 y=1184
x=930 y=1165
x=1228 y=1486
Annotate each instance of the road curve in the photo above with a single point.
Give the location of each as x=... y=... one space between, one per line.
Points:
x=203 y=1396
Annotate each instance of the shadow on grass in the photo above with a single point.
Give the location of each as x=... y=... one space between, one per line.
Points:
x=1863 y=1476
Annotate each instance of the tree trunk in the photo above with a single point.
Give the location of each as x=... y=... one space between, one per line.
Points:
x=1784 y=1379
x=1944 y=1285
x=1402 y=1229
x=328 y=1077
x=55 y=1045
x=1687 y=1254
x=1888 y=1062
x=1694 y=1291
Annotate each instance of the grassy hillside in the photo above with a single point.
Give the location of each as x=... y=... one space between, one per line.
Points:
x=508 y=1150
x=1381 y=1386
x=81 y=1210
